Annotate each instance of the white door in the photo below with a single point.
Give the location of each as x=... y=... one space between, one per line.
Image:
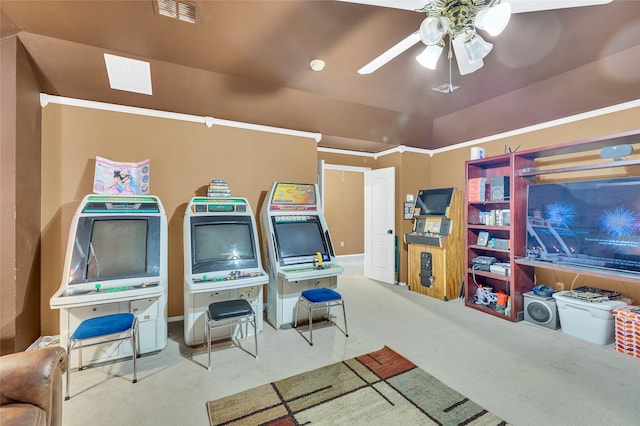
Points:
x=379 y=225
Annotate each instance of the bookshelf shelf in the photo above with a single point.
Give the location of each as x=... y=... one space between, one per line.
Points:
x=505 y=221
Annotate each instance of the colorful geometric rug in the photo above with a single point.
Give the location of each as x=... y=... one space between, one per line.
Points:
x=380 y=388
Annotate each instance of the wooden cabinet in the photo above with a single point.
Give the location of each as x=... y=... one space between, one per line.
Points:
x=495 y=210
x=435 y=268
x=573 y=160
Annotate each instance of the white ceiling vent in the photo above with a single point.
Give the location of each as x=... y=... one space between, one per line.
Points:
x=127 y=74
x=445 y=87
x=182 y=11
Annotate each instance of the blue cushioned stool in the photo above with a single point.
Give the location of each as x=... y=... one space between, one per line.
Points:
x=220 y=314
x=319 y=298
x=117 y=327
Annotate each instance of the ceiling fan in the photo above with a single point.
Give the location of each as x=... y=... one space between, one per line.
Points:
x=459 y=19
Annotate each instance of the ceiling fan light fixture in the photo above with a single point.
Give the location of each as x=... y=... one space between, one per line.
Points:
x=462 y=57
x=433 y=29
x=477 y=48
x=494 y=19
x=429 y=57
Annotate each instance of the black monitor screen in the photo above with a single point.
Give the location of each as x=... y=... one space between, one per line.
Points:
x=110 y=248
x=222 y=243
x=299 y=238
x=118 y=249
x=594 y=222
x=433 y=202
x=547 y=239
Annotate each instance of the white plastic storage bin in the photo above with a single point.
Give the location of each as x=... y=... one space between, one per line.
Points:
x=590 y=321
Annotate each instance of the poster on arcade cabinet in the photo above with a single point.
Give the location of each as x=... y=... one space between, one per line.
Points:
x=119 y=178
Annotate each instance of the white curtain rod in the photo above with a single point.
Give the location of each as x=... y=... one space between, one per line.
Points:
x=208 y=121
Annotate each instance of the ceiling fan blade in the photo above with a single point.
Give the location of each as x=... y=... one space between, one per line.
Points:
x=391 y=53
x=520 y=6
x=413 y=5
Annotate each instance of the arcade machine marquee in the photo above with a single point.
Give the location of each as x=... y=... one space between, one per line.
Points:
x=298 y=248
x=221 y=262
x=116 y=261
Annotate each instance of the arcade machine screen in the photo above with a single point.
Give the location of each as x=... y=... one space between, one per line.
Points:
x=433 y=202
x=222 y=243
x=298 y=240
x=111 y=249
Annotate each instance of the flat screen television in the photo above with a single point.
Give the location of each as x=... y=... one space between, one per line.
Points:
x=222 y=243
x=115 y=248
x=433 y=202
x=300 y=238
x=595 y=223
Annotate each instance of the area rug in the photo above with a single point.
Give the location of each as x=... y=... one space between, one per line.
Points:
x=379 y=388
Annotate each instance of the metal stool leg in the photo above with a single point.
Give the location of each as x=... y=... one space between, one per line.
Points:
x=134 y=347
x=344 y=315
x=295 y=320
x=208 y=335
x=310 y=306
x=67 y=393
x=255 y=333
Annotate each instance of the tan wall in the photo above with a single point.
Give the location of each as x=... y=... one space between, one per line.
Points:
x=344 y=210
x=184 y=158
x=20 y=200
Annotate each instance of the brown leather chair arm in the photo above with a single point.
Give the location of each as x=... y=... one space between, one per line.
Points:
x=34 y=377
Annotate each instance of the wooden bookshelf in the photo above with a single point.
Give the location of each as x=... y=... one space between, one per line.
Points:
x=524 y=168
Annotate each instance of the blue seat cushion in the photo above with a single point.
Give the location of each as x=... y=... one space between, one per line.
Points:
x=104 y=325
x=319 y=295
x=230 y=309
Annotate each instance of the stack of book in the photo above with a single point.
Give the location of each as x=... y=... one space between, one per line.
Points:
x=477 y=188
x=218 y=188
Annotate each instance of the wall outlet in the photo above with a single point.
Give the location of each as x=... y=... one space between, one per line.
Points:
x=341 y=243
x=559 y=286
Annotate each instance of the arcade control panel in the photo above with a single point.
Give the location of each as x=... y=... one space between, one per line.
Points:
x=233 y=275
x=71 y=291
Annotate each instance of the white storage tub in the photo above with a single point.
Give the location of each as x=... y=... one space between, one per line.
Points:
x=590 y=321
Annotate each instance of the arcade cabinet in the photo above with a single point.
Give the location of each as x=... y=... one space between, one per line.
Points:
x=436 y=256
x=298 y=248
x=116 y=261
x=221 y=262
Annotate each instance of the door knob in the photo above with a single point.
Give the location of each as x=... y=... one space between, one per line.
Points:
x=389 y=231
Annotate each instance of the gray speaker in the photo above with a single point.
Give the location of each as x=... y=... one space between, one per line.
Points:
x=616 y=152
x=541 y=310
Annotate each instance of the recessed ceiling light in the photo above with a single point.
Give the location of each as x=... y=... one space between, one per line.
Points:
x=317 y=64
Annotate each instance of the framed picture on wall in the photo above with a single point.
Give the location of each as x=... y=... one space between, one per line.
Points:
x=408 y=210
x=483 y=238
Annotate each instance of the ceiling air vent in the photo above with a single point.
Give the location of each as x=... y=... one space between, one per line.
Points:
x=182 y=11
x=445 y=88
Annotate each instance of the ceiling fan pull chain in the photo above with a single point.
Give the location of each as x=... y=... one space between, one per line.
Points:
x=450 y=55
